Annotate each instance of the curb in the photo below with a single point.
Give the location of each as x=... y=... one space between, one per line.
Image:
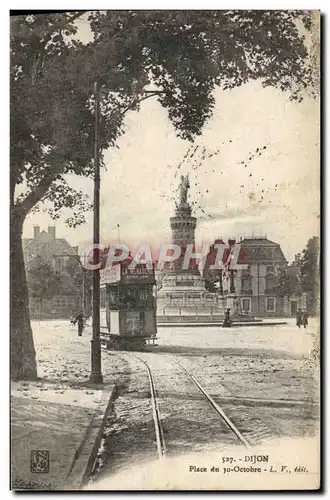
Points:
x=219 y=324
x=86 y=453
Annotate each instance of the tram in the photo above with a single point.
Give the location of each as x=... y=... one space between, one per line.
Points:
x=128 y=306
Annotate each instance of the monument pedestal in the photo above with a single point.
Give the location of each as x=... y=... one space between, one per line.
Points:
x=186 y=295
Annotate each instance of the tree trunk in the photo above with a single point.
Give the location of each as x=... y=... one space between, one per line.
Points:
x=22 y=351
x=40 y=309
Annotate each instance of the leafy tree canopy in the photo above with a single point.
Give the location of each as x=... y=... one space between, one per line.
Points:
x=303 y=275
x=44 y=282
x=177 y=57
x=310 y=272
x=180 y=56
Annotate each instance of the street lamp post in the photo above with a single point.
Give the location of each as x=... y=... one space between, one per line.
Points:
x=96 y=373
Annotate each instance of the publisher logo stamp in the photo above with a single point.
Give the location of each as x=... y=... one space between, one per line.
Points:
x=39 y=461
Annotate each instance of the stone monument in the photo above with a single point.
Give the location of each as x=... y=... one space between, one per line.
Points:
x=182 y=296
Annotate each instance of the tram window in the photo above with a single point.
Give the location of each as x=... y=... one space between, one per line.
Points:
x=113 y=297
x=130 y=293
x=130 y=299
x=144 y=295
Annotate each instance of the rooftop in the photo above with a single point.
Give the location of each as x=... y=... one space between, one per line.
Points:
x=46 y=244
x=257 y=241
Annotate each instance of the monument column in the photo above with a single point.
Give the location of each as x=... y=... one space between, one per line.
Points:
x=183 y=226
x=186 y=285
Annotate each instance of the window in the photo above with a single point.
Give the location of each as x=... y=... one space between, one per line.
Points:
x=113 y=300
x=144 y=296
x=272 y=252
x=59 y=264
x=270 y=269
x=246 y=283
x=270 y=283
x=270 y=304
x=246 y=305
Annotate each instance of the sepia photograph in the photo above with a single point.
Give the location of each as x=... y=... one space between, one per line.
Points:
x=165 y=250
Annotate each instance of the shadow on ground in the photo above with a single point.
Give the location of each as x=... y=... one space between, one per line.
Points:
x=224 y=351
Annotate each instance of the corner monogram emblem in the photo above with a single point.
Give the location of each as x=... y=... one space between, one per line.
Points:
x=39 y=461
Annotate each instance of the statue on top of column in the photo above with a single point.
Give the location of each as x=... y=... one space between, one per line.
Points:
x=184 y=186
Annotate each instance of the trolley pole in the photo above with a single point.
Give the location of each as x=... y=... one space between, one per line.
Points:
x=96 y=374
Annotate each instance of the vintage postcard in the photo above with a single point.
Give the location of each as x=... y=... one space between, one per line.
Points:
x=165 y=250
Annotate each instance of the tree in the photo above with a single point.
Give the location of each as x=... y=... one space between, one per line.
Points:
x=302 y=276
x=43 y=282
x=79 y=282
x=286 y=281
x=310 y=273
x=210 y=284
x=183 y=55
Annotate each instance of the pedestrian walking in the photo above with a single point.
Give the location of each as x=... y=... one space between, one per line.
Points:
x=305 y=318
x=80 y=320
x=299 y=318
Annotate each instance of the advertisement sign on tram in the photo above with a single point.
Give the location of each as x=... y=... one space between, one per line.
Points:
x=122 y=272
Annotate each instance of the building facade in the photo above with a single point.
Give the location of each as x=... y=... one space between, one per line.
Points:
x=255 y=288
x=45 y=248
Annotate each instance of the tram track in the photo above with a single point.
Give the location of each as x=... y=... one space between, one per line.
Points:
x=164 y=410
x=236 y=416
x=158 y=421
x=160 y=441
x=218 y=409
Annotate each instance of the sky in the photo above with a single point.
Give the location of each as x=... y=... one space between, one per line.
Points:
x=263 y=178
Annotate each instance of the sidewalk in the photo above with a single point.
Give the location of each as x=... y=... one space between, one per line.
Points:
x=60 y=415
x=69 y=430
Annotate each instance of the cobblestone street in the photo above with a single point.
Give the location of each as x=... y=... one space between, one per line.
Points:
x=269 y=393
x=263 y=378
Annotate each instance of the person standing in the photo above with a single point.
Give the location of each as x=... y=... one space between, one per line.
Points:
x=299 y=318
x=227 y=321
x=80 y=320
x=305 y=318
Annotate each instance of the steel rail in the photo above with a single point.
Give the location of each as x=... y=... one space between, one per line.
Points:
x=217 y=408
x=160 y=441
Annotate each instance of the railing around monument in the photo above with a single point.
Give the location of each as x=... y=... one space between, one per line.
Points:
x=202 y=310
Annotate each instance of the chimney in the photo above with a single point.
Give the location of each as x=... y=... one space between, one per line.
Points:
x=231 y=241
x=36 y=231
x=51 y=231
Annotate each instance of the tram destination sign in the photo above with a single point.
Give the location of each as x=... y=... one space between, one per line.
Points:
x=138 y=273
